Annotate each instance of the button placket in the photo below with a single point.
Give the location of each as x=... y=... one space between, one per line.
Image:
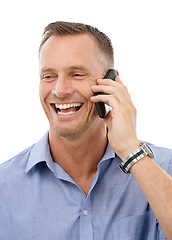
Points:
x=86 y=228
x=85 y=212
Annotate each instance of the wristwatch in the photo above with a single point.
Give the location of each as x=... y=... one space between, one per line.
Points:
x=132 y=158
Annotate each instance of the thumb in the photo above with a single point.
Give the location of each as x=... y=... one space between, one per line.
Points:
x=108 y=119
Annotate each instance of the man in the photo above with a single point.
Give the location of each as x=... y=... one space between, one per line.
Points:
x=69 y=186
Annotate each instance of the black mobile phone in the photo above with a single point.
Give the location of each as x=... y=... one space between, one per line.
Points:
x=103 y=108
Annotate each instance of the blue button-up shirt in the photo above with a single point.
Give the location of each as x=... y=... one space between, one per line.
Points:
x=40 y=201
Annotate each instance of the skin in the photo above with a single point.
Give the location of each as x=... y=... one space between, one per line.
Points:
x=70 y=63
x=70 y=72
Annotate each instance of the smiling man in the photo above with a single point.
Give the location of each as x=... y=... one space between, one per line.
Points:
x=69 y=185
x=66 y=75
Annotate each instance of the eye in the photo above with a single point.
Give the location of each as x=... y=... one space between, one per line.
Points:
x=78 y=75
x=48 y=77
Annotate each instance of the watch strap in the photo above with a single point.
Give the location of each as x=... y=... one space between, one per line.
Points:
x=135 y=156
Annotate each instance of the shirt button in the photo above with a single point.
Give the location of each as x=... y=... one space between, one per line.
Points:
x=85 y=212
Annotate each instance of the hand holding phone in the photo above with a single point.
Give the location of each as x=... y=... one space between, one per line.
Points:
x=104 y=108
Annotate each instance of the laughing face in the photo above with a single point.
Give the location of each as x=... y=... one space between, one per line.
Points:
x=68 y=66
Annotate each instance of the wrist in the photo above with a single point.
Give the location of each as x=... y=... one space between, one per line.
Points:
x=135 y=156
x=132 y=146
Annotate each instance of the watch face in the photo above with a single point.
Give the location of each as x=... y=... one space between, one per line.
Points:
x=148 y=150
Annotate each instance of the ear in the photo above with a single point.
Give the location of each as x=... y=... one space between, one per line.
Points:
x=117 y=72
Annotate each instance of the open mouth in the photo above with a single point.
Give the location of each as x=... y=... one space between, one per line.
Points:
x=67 y=108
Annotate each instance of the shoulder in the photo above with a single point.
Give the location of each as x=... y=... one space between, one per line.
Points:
x=15 y=165
x=15 y=169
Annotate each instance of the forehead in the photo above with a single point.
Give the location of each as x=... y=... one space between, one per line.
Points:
x=60 y=52
x=73 y=43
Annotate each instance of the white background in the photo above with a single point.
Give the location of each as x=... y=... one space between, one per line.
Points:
x=141 y=32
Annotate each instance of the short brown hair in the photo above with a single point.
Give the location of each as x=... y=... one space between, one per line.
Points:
x=60 y=28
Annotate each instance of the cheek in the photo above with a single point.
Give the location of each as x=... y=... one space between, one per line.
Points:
x=43 y=91
x=87 y=93
x=83 y=87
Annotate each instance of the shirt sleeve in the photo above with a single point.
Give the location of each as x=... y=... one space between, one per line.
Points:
x=169 y=171
x=160 y=232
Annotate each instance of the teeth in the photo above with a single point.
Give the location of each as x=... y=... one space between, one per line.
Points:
x=69 y=105
x=67 y=113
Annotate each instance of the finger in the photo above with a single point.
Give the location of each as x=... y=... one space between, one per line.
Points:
x=110 y=91
x=108 y=86
x=108 y=81
x=104 y=89
x=111 y=100
x=120 y=87
x=117 y=79
x=125 y=90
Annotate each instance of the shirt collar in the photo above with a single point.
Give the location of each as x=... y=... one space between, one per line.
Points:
x=109 y=154
x=41 y=153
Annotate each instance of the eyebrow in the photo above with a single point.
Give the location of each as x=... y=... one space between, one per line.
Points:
x=44 y=70
x=77 y=67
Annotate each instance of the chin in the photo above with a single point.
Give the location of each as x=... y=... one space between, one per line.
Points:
x=68 y=134
x=74 y=132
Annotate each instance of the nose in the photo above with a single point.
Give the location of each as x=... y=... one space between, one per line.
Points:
x=62 y=87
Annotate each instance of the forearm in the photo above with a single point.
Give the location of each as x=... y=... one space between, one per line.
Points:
x=156 y=185
x=121 y=121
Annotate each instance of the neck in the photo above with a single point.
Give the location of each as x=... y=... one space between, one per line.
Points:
x=79 y=157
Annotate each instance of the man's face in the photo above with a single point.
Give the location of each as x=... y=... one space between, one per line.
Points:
x=68 y=66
